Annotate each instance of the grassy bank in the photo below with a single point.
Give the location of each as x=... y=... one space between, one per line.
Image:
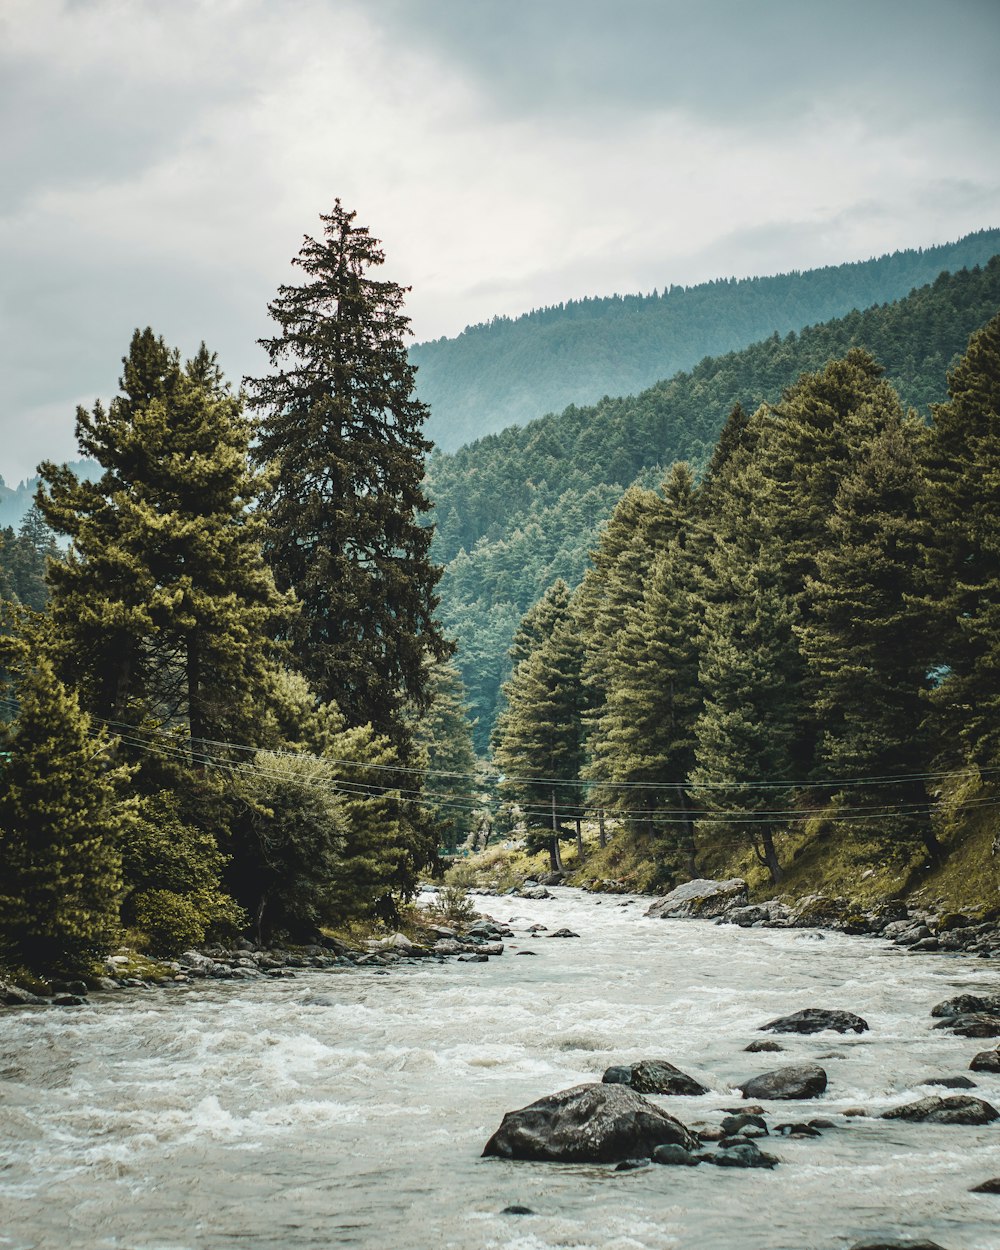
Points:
x=818 y=857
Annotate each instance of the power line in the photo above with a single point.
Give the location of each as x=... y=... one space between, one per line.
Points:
x=124 y=730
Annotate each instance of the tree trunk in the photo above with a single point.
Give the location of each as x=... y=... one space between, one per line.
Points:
x=769 y=855
x=579 y=838
x=602 y=834
x=934 y=849
x=196 y=717
x=118 y=680
x=555 y=858
x=555 y=855
x=687 y=837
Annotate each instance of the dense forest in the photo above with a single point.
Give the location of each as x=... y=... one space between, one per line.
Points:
x=510 y=371
x=518 y=509
x=798 y=650
x=216 y=687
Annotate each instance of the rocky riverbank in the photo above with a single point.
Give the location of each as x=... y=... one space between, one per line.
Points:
x=920 y=928
x=246 y=961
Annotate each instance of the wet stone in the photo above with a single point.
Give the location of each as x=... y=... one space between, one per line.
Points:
x=894 y=1243
x=800 y=1081
x=955 y=1109
x=815 y=1020
x=986 y=1061
x=675 y=1156
x=587 y=1124
x=975 y=1024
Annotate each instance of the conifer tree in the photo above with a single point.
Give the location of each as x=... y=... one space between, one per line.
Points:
x=59 y=827
x=641 y=737
x=443 y=737
x=805 y=444
x=164 y=604
x=539 y=738
x=963 y=560
x=615 y=581
x=539 y=621
x=746 y=732
x=866 y=641
x=341 y=428
x=31 y=550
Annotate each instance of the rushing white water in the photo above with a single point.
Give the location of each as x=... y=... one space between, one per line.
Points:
x=350 y=1107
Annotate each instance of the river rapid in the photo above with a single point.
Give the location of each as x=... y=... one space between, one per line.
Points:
x=349 y=1107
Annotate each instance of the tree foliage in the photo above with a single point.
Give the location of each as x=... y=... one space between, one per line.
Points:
x=60 y=825
x=340 y=430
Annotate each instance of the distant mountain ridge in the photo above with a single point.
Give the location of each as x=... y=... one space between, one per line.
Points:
x=16 y=500
x=511 y=371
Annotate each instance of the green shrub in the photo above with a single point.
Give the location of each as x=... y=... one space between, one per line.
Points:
x=169 y=922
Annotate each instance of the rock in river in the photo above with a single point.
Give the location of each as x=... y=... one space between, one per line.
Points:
x=701 y=898
x=654 y=1076
x=800 y=1081
x=986 y=1061
x=815 y=1020
x=973 y=1024
x=967 y=1005
x=891 y=1243
x=955 y=1109
x=588 y=1124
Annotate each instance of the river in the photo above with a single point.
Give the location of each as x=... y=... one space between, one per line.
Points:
x=349 y=1107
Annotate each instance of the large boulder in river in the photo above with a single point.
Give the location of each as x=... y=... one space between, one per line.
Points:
x=654 y=1076
x=815 y=1020
x=702 y=898
x=588 y=1124
x=955 y=1109
x=805 y=1080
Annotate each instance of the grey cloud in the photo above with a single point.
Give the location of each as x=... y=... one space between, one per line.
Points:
x=723 y=59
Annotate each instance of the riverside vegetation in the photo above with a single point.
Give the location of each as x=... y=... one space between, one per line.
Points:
x=232 y=705
x=216 y=701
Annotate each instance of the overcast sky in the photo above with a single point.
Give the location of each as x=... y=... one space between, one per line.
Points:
x=162 y=161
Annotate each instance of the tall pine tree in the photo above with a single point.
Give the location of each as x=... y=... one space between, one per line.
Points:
x=341 y=430
x=539 y=737
x=164 y=605
x=866 y=643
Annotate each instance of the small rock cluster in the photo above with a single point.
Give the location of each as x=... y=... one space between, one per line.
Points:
x=614 y=1123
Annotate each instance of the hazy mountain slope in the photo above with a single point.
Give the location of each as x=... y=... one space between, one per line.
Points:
x=16 y=500
x=511 y=371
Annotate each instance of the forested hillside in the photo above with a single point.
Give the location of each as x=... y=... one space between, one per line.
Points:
x=509 y=371
x=787 y=670
x=517 y=509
